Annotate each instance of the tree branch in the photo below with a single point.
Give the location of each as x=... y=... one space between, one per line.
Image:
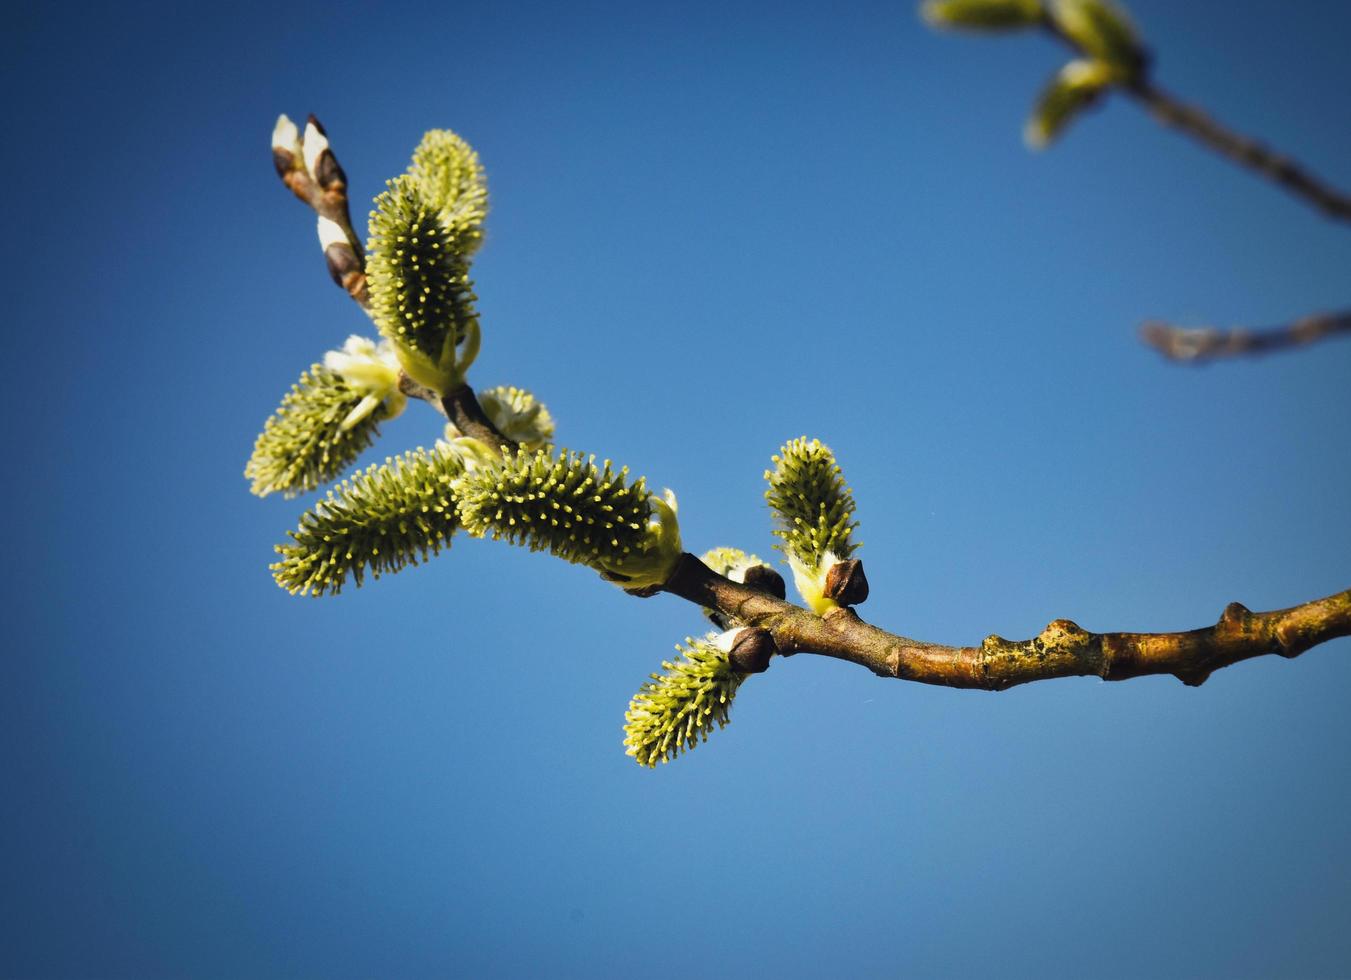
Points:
x=1199 y=344
x=463 y=409
x=1241 y=149
x=1062 y=649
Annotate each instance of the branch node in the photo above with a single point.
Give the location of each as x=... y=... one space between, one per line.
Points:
x=1290 y=641
x=1192 y=678
x=841 y=617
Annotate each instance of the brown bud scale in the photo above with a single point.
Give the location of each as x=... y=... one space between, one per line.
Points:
x=751 y=651
x=846 y=583
x=766 y=579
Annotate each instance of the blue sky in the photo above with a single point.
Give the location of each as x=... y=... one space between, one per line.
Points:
x=714 y=227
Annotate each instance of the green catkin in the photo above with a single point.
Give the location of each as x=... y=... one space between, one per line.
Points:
x=1074 y=88
x=677 y=709
x=811 y=503
x=563 y=504
x=380 y=520
x=421 y=296
x=303 y=444
x=518 y=415
x=731 y=562
x=1103 y=31
x=452 y=181
x=983 y=15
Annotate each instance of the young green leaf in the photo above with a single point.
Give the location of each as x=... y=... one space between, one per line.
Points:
x=380 y=520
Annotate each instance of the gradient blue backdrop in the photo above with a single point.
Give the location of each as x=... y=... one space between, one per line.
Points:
x=714 y=227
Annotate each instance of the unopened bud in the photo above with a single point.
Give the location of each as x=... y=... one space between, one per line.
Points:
x=765 y=579
x=328 y=173
x=846 y=583
x=985 y=15
x=286 y=151
x=1077 y=86
x=751 y=649
x=1101 y=30
x=319 y=159
x=343 y=263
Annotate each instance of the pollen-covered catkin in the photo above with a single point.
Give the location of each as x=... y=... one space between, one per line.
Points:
x=380 y=520
x=306 y=442
x=563 y=504
x=421 y=296
x=676 y=709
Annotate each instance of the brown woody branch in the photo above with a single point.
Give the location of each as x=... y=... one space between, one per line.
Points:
x=1062 y=649
x=1243 y=150
x=1196 y=345
x=463 y=409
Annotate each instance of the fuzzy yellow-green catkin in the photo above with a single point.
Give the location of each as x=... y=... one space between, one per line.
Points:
x=306 y=443
x=1074 y=88
x=811 y=503
x=987 y=15
x=568 y=506
x=452 y=180
x=1102 y=30
x=380 y=520
x=421 y=296
x=676 y=709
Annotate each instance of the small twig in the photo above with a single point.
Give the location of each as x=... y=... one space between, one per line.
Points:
x=1197 y=345
x=1063 y=649
x=310 y=169
x=1241 y=149
x=464 y=411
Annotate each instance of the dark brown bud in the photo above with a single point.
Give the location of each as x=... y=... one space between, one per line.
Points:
x=751 y=650
x=342 y=262
x=283 y=159
x=310 y=120
x=846 y=583
x=327 y=172
x=765 y=579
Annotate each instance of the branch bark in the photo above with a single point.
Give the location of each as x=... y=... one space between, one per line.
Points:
x=1196 y=345
x=463 y=409
x=1243 y=150
x=1170 y=111
x=1062 y=649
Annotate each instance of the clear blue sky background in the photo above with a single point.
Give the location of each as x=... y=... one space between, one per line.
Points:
x=715 y=227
